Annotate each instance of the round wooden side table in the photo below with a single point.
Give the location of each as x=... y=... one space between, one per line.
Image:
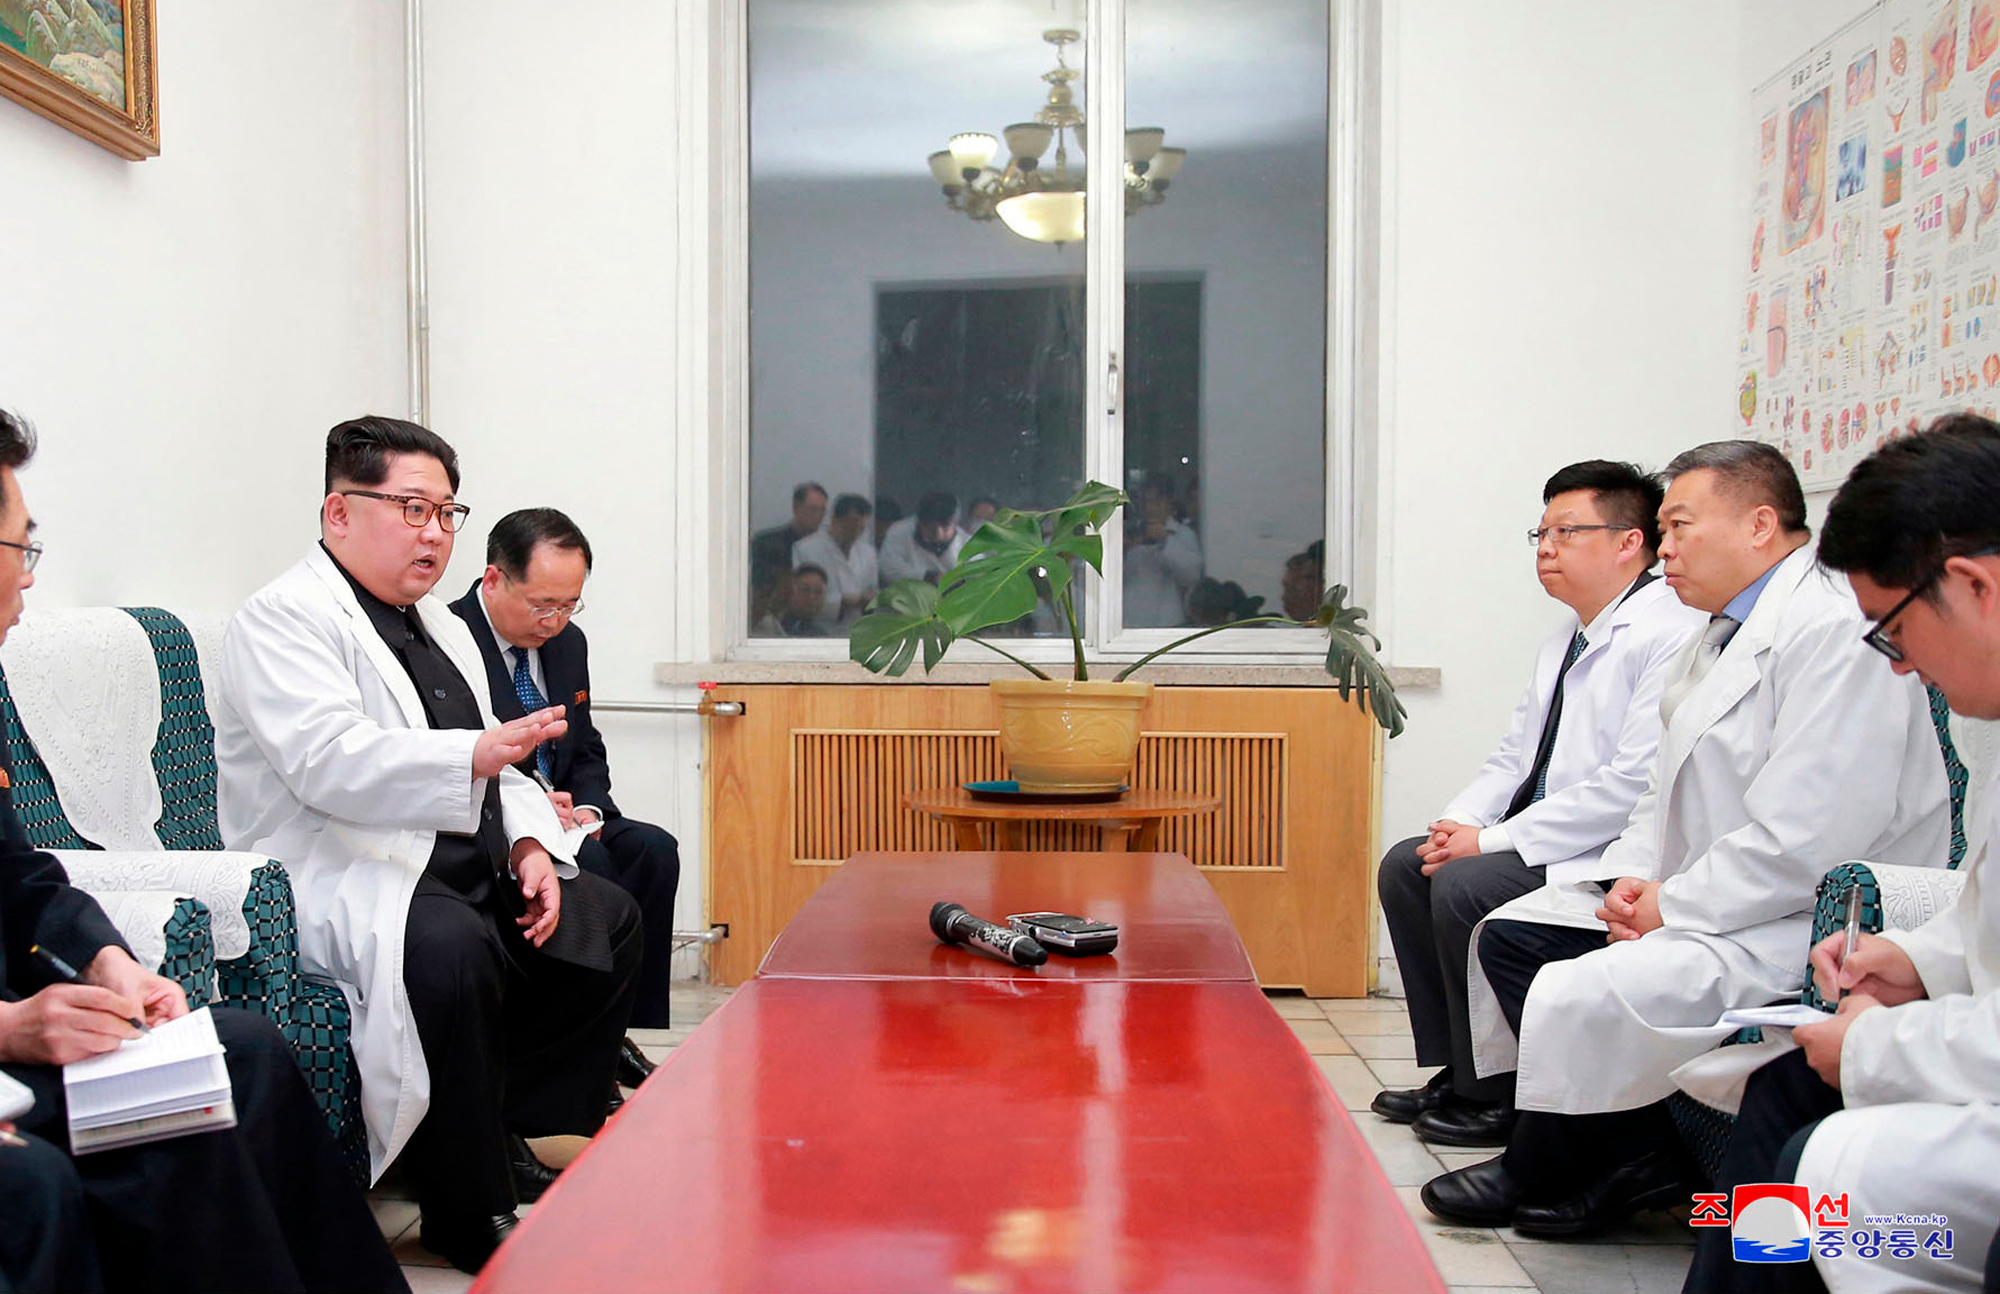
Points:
x=1129 y=823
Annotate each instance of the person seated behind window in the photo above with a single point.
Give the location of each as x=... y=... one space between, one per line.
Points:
x=1162 y=559
x=1304 y=582
x=1217 y=602
x=846 y=555
x=771 y=550
x=923 y=547
x=977 y=513
x=1894 y=1103
x=1785 y=750
x=265 y=1205
x=1559 y=788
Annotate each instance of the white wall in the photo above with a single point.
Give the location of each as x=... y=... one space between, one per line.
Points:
x=185 y=329
x=1562 y=242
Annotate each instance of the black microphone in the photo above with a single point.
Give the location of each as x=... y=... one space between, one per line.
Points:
x=952 y=924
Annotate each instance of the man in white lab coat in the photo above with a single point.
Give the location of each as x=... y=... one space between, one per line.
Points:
x=1895 y=1102
x=490 y=983
x=925 y=546
x=1786 y=749
x=846 y=555
x=1558 y=789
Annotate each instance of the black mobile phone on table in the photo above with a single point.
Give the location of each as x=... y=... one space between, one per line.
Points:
x=1060 y=932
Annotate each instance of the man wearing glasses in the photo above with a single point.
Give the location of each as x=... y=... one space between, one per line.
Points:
x=522 y=616
x=490 y=982
x=1786 y=749
x=1895 y=1101
x=1558 y=790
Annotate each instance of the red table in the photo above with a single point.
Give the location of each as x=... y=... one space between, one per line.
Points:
x=976 y=1134
x=871 y=919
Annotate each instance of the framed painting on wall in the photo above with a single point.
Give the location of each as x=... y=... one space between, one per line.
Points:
x=88 y=65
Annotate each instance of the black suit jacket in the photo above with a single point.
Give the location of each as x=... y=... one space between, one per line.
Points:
x=577 y=763
x=38 y=905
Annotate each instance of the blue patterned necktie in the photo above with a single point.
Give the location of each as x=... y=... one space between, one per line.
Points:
x=531 y=700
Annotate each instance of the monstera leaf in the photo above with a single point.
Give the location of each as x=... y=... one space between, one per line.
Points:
x=900 y=619
x=1350 y=658
x=999 y=569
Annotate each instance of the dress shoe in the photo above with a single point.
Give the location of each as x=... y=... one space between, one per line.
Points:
x=1403 y=1105
x=531 y=1175
x=1482 y=1195
x=465 y=1243
x=1653 y=1181
x=1467 y=1123
x=633 y=1067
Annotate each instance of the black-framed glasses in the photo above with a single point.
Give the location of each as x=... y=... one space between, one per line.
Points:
x=31 y=553
x=418 y=512
x=1563 y=534
x=1877 y=635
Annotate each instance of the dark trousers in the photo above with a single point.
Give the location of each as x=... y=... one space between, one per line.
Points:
x=267 y=1205
x=1553 y=1156
x=515 y=1040
x=1430 y=923
x=1782 y=1103
x=45 y=1240
x=644 y=861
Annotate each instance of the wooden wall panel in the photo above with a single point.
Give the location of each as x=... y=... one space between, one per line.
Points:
x=812 y=774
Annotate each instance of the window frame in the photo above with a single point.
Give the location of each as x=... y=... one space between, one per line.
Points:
x=713 y=363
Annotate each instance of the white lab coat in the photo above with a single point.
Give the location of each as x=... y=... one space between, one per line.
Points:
x=1158 y=577
x=1603 y=752
x=326 y=762
x=903 y=558
x=853 y=573
x=1798 y=750
x=1921 y=1082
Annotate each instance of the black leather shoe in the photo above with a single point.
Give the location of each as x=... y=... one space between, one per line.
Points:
x=1464 y=1123
x=531 y=1175
x=1403 y=1105
x=465 y=1243
x=1480 y=1196
x=633 y=1067
x=1653 y=1181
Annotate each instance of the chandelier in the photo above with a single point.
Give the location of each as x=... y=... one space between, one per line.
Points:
x=1031 y=199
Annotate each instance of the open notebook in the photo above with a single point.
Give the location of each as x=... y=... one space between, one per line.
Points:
x=169 y=1083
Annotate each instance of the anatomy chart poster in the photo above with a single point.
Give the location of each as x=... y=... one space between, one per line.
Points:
x=1872 y=298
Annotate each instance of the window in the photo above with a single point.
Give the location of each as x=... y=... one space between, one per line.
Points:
x=919 y=354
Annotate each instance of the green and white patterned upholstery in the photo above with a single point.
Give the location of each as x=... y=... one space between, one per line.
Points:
x=313 y=1016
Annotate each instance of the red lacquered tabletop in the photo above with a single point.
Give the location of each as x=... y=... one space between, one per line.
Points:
x=871 y=919
x=952 y=1135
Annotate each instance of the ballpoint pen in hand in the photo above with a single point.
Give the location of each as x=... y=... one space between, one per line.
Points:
x=1852 y=932
x=67 y=973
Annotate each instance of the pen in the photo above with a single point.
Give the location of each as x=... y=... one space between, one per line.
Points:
x=9 y=1139
x=1853 y=931
x=65 y=972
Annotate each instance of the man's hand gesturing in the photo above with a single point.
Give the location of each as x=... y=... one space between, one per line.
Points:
x=514 y=741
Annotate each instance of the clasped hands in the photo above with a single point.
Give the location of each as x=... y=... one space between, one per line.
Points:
x=68 y=1022
x=1448 y=841
x=497 y=748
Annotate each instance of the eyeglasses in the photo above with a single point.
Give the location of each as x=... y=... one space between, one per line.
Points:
x=1563 y=534
x=31 y=554
x=1878 y=633
x=418 y=512
x=544 y=613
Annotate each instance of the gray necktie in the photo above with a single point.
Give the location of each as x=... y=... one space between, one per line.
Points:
x=1720 y=630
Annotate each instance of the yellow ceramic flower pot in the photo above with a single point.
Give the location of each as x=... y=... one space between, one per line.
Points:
x=1065 y=736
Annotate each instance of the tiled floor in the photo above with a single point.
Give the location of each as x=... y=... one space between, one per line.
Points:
x=1362 y=1046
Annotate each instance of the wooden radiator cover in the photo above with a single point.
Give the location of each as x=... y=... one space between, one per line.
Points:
x=810 y=775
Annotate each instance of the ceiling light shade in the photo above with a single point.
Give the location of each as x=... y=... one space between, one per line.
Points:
x=1141 y=144
x=1166 y=164
x=945 y=168
x=1029 y=138
x=1046 y=215
x=973 y=150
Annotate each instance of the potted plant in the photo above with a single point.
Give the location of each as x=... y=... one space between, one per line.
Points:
x=1076 y=734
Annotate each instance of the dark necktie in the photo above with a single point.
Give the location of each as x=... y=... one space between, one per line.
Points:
x=1536 y=784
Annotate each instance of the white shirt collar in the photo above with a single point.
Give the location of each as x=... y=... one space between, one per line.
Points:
x=1594 y=631
x=505 y=646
